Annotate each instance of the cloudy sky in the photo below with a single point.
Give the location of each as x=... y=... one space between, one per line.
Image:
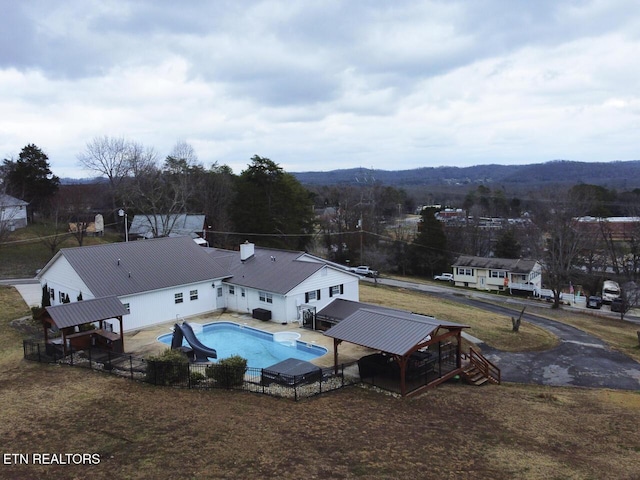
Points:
x=323 y=85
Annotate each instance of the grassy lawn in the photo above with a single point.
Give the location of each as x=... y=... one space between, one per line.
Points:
x=24 y=251
x=453 y=431
x=493 y=329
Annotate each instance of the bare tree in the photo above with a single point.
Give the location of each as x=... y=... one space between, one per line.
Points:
x=562 y=246
x=109 y=157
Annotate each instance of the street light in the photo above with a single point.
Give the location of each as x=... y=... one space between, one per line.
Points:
x=122 y=213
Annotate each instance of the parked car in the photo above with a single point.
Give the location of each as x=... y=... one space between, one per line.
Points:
x=364 y=270
x=445 y=277
x=618 y=305
x=594 y=301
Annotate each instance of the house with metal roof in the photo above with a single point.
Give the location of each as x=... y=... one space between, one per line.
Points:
x=160 y=280
x=286 y=286
x=13 y=212
x=153 y=226
x=157 y=280
x=499 y=274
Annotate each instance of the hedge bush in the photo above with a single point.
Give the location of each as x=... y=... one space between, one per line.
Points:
x=228 y=372
x=168 y=368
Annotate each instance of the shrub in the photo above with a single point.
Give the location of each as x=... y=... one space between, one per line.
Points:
x=228 y=372
x=196 y=378
x=167 y=368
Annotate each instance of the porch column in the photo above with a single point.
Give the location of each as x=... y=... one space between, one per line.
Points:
x=121 y=332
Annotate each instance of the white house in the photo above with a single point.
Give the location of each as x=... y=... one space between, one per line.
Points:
x=499 y=274
x=290 y=285
x=165 y=279
x=13 y=212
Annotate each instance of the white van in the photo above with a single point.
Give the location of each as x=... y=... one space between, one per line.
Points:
x=610 y=291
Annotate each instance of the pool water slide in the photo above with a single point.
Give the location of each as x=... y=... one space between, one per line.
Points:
x=201 y=352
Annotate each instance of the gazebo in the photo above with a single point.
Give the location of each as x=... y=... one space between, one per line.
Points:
x=67 y=316
x=413 y=349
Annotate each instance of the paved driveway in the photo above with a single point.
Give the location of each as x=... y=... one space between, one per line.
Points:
x=579 y=360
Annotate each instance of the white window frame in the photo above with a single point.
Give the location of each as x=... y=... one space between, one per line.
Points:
x=265 y=297
x=178 y=298
x=193 y=295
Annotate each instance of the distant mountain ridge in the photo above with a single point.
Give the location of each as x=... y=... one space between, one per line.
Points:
x=621 y=175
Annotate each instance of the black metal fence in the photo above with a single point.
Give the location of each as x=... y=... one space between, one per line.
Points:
x=198 y=376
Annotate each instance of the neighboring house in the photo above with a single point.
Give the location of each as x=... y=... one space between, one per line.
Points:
x=498 y=274
x=152 y=226
x=172 y=278
x=13 y=212
x=291 y=285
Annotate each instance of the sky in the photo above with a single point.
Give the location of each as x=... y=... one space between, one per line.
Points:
x=324 y=85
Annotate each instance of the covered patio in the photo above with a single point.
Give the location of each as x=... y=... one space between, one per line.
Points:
x=70 y=318
x=415 y=351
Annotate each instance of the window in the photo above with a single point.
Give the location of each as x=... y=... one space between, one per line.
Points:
x=177 y=298
x=265 y=297
x=312 y=296
x=232 y=290
x=193 y=295
x=497 y=274
x=465 y=271
x=128 y=307
x=52 y=293
x=336 y=290
x=62 y=297
x=242 y=292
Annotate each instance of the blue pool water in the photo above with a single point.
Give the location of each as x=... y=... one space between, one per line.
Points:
x=257 y=346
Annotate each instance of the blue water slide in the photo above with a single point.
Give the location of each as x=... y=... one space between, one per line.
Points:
x=201 y=352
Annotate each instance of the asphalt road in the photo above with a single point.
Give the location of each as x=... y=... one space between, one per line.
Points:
x=579 y=360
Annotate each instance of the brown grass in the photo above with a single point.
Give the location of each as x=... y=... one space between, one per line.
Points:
x=454 y=431
x=495 y=330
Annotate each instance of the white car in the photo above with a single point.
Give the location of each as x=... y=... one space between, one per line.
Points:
x=364 y=271
x=445 y=277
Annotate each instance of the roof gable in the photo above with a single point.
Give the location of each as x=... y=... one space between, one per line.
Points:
x=517 y=265
x=144 y=265
x=271 y=270
x=388 y=330
x=8 y=200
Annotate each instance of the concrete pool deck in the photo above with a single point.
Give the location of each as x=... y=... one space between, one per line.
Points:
x=144 y=342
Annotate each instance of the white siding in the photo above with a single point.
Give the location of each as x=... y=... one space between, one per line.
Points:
x=159 y=306
x=62 y=277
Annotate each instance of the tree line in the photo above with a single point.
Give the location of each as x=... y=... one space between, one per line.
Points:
x=365 y=223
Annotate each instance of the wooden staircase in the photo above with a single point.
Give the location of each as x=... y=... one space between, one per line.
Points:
x=480 y=370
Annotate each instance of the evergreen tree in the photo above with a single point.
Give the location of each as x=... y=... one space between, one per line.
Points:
x=29 y=178
x=429 y=253
x=271 y=202
x=507 y=245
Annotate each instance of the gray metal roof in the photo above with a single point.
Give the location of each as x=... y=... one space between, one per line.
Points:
x=181 y=224
x=388 y=330
x=8 y=200
x=86 y=311
x=518 y=265
x=271 y=270
x=128 y=268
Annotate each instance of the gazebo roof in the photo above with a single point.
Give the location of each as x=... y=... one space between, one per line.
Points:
x=391 y=331
x=86 y=311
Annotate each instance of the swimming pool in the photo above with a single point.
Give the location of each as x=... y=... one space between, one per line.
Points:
x=257 y=346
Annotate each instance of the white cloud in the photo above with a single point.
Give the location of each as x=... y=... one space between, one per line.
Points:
x=324 y=85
